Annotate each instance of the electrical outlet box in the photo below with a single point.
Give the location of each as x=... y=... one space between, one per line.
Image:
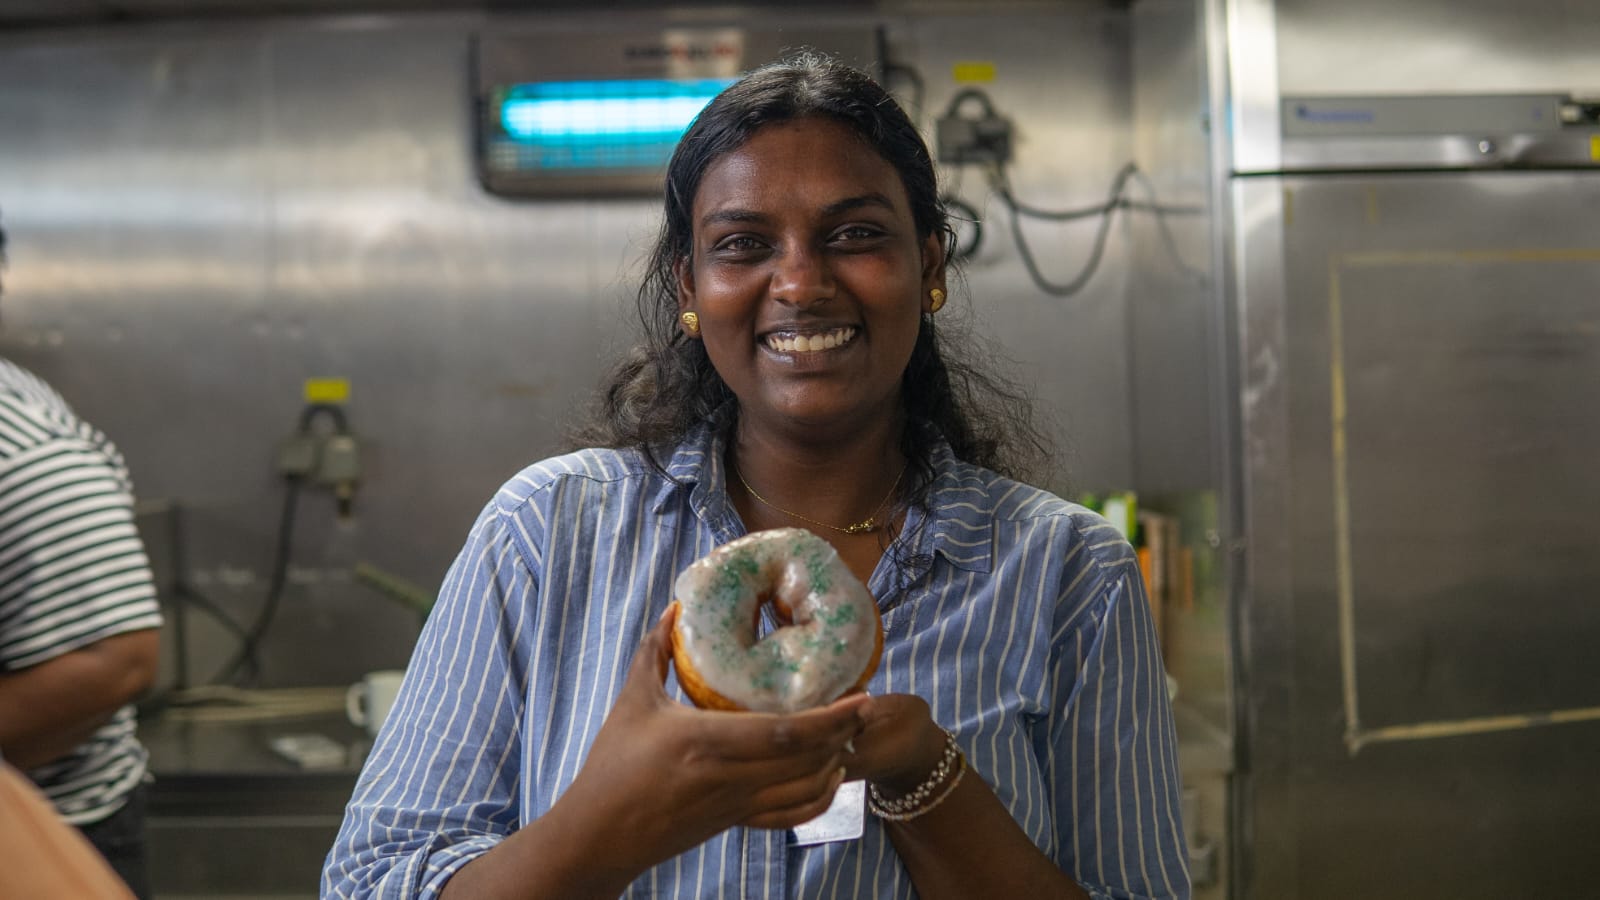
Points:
x=960 y=140
x=341 y=460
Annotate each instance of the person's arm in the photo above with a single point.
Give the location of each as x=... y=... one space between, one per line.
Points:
x=78 y=604
x=48 y=709
x=966 y=846
x=1109 y=755
x=660 y=779
x=439 y=786
x=1112 y=764
x=439 y=803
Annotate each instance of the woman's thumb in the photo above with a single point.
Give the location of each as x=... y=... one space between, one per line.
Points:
x=655 y=651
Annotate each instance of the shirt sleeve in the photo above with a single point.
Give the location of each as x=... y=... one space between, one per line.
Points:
x=73 y=570
x=1112 y=746
x=440 y=787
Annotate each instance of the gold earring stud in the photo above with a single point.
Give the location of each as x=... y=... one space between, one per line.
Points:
x=937 y=296
x=691 y=322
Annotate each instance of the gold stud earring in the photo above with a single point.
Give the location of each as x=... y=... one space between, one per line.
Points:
x=937 y=296
x=691 y=322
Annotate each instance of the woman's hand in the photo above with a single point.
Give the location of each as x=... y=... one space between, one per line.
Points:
x=900 y=744
x=663 y=777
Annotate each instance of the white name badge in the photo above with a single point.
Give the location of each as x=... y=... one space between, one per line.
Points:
x=844 y=820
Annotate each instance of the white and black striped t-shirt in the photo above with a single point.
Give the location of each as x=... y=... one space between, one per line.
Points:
x=72 y=572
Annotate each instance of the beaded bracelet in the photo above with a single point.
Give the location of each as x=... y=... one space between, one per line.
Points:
x=947 y=774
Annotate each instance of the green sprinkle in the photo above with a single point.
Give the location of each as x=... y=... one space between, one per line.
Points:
x=817 y=568
x=841 y=615
x=731 y=577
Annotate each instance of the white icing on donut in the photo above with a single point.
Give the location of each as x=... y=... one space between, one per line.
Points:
x=823 y=653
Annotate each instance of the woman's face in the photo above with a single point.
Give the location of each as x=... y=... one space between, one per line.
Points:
x=808 y=277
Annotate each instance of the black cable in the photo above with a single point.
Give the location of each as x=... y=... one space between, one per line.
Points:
x=209 y=607
x=245 y=664
x=247 y=657
x=1103 y=211
x=1116 y=201
x=1002 y=187
x=1168 y=240
x=247 y=654
x=153 y=705
x=971 y=93
x=1096 y=251
x=1089 y=267
x=174 y=586
x=310 y=413
x=969 y=216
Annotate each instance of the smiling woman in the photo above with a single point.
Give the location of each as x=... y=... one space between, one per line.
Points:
x=1015 y=740
x=809 y=281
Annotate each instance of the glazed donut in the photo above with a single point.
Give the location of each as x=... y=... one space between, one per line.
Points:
x=829 y=635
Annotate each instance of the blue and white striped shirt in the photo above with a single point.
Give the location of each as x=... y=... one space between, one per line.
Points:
x=1021 y=620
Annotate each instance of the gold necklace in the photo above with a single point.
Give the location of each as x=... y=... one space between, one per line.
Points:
x=870 y=523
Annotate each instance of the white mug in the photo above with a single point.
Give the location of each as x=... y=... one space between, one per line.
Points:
x=367 y=702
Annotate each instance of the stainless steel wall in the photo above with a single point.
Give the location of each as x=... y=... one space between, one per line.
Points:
x=1172 y=291
x=204 y=215
x=1063 y=77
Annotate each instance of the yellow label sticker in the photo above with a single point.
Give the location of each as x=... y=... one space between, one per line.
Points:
x=1594 y=148
x=327 y=390
x=970 y=72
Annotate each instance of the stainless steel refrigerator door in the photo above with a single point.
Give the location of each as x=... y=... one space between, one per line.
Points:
x=1420 y=358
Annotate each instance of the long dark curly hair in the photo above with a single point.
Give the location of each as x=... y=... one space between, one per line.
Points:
x=666 y=385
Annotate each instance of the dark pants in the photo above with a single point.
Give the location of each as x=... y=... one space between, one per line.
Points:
x=120 y=839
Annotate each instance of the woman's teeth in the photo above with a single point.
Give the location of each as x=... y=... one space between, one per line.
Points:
x=809 y=343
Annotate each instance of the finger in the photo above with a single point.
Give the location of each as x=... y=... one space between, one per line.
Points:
x=650 y=662
x=856 y=700
x=813 y=801
x=899 y=735
x=748 y=777
x=884 y=707
x=765 y=735
x=801 y=790
x=660 y=637
x=776 y=738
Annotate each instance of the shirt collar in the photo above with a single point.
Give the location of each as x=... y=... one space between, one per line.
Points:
x=957 y=524
x=697 y=466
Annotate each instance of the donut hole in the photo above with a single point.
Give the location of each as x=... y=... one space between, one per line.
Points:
x=823 y=637
x=782 y=610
